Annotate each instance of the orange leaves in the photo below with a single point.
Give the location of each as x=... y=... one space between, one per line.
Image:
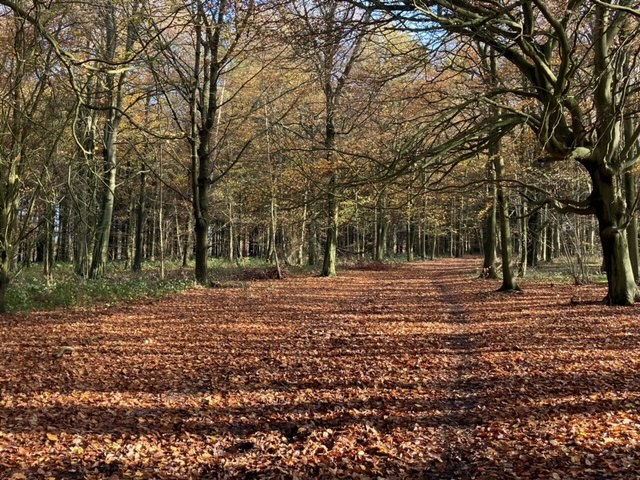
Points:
x=401 y=372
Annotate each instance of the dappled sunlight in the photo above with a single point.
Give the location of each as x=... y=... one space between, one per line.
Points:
x=419 y=371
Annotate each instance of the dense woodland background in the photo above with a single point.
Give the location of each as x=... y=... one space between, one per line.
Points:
x=312 y=132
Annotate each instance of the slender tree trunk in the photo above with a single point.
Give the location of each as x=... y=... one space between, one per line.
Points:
x=139 y=237
x=508 y=277
x=48 y=261
x=490 y=241
x=303 y=229
x=188 y=247
x=313 y=242
x=161 y=218
x=410 y=229
x=63 y=251
x=331 y=241
x=381 y=227
x=524 y=240
x=274 y=226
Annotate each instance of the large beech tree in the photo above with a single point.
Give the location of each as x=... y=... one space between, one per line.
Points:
x=573 y=56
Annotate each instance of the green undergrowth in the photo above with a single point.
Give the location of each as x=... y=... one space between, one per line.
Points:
x=30 y=290
x=561 y=271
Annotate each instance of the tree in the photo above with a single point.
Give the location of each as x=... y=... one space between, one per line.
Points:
x=194 y=58
x=572 y=56
x=114 y=81
x=329 y=35
x=30 y=119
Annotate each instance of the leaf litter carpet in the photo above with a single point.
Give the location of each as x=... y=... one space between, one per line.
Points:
x=412 y=371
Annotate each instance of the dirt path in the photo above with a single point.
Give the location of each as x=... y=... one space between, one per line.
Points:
x=415 y=371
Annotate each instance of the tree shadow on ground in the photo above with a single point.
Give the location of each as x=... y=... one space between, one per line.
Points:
x=394 y=374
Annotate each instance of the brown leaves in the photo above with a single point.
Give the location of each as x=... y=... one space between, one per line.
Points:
x=380 y=373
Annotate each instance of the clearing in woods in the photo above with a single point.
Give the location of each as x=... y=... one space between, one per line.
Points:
x=411 y=371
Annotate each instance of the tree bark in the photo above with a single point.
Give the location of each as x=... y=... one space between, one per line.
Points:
x=608 y=199
x=313 y=242
x=632 y=229
x=138 y=252
x=490 y=241
x=331 y=240
x=381 y=228
x=115 y=100
x=49 y=259
x=524 y=240
x=508 y=277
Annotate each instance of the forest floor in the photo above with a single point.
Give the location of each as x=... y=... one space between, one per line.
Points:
x=407 y=371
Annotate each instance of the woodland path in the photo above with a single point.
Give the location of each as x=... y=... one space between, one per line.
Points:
x=409 y=371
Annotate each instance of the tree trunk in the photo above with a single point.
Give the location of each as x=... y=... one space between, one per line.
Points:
x=5 y=265
x=621 y=284
x=608 y=199
x=200 y=183
x=101 y=246
x=313 y=241
x=490 y=241
x=62 y=250
x=139 y=238
x=508 y=277
x=188 y=247
x=524 y=240
x=115 y=96
x=48 y=261
x=303 y=228
x=331 y=241
x=381 y=228
x=274 y=225
x=410 y=228
x=632 y=229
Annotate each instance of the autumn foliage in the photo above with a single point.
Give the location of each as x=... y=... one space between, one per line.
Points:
x=414 y=371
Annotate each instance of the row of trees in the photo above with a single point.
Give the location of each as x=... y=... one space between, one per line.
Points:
x=303 y=130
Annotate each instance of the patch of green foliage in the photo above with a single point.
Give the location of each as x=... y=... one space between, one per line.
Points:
x=30 y=290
